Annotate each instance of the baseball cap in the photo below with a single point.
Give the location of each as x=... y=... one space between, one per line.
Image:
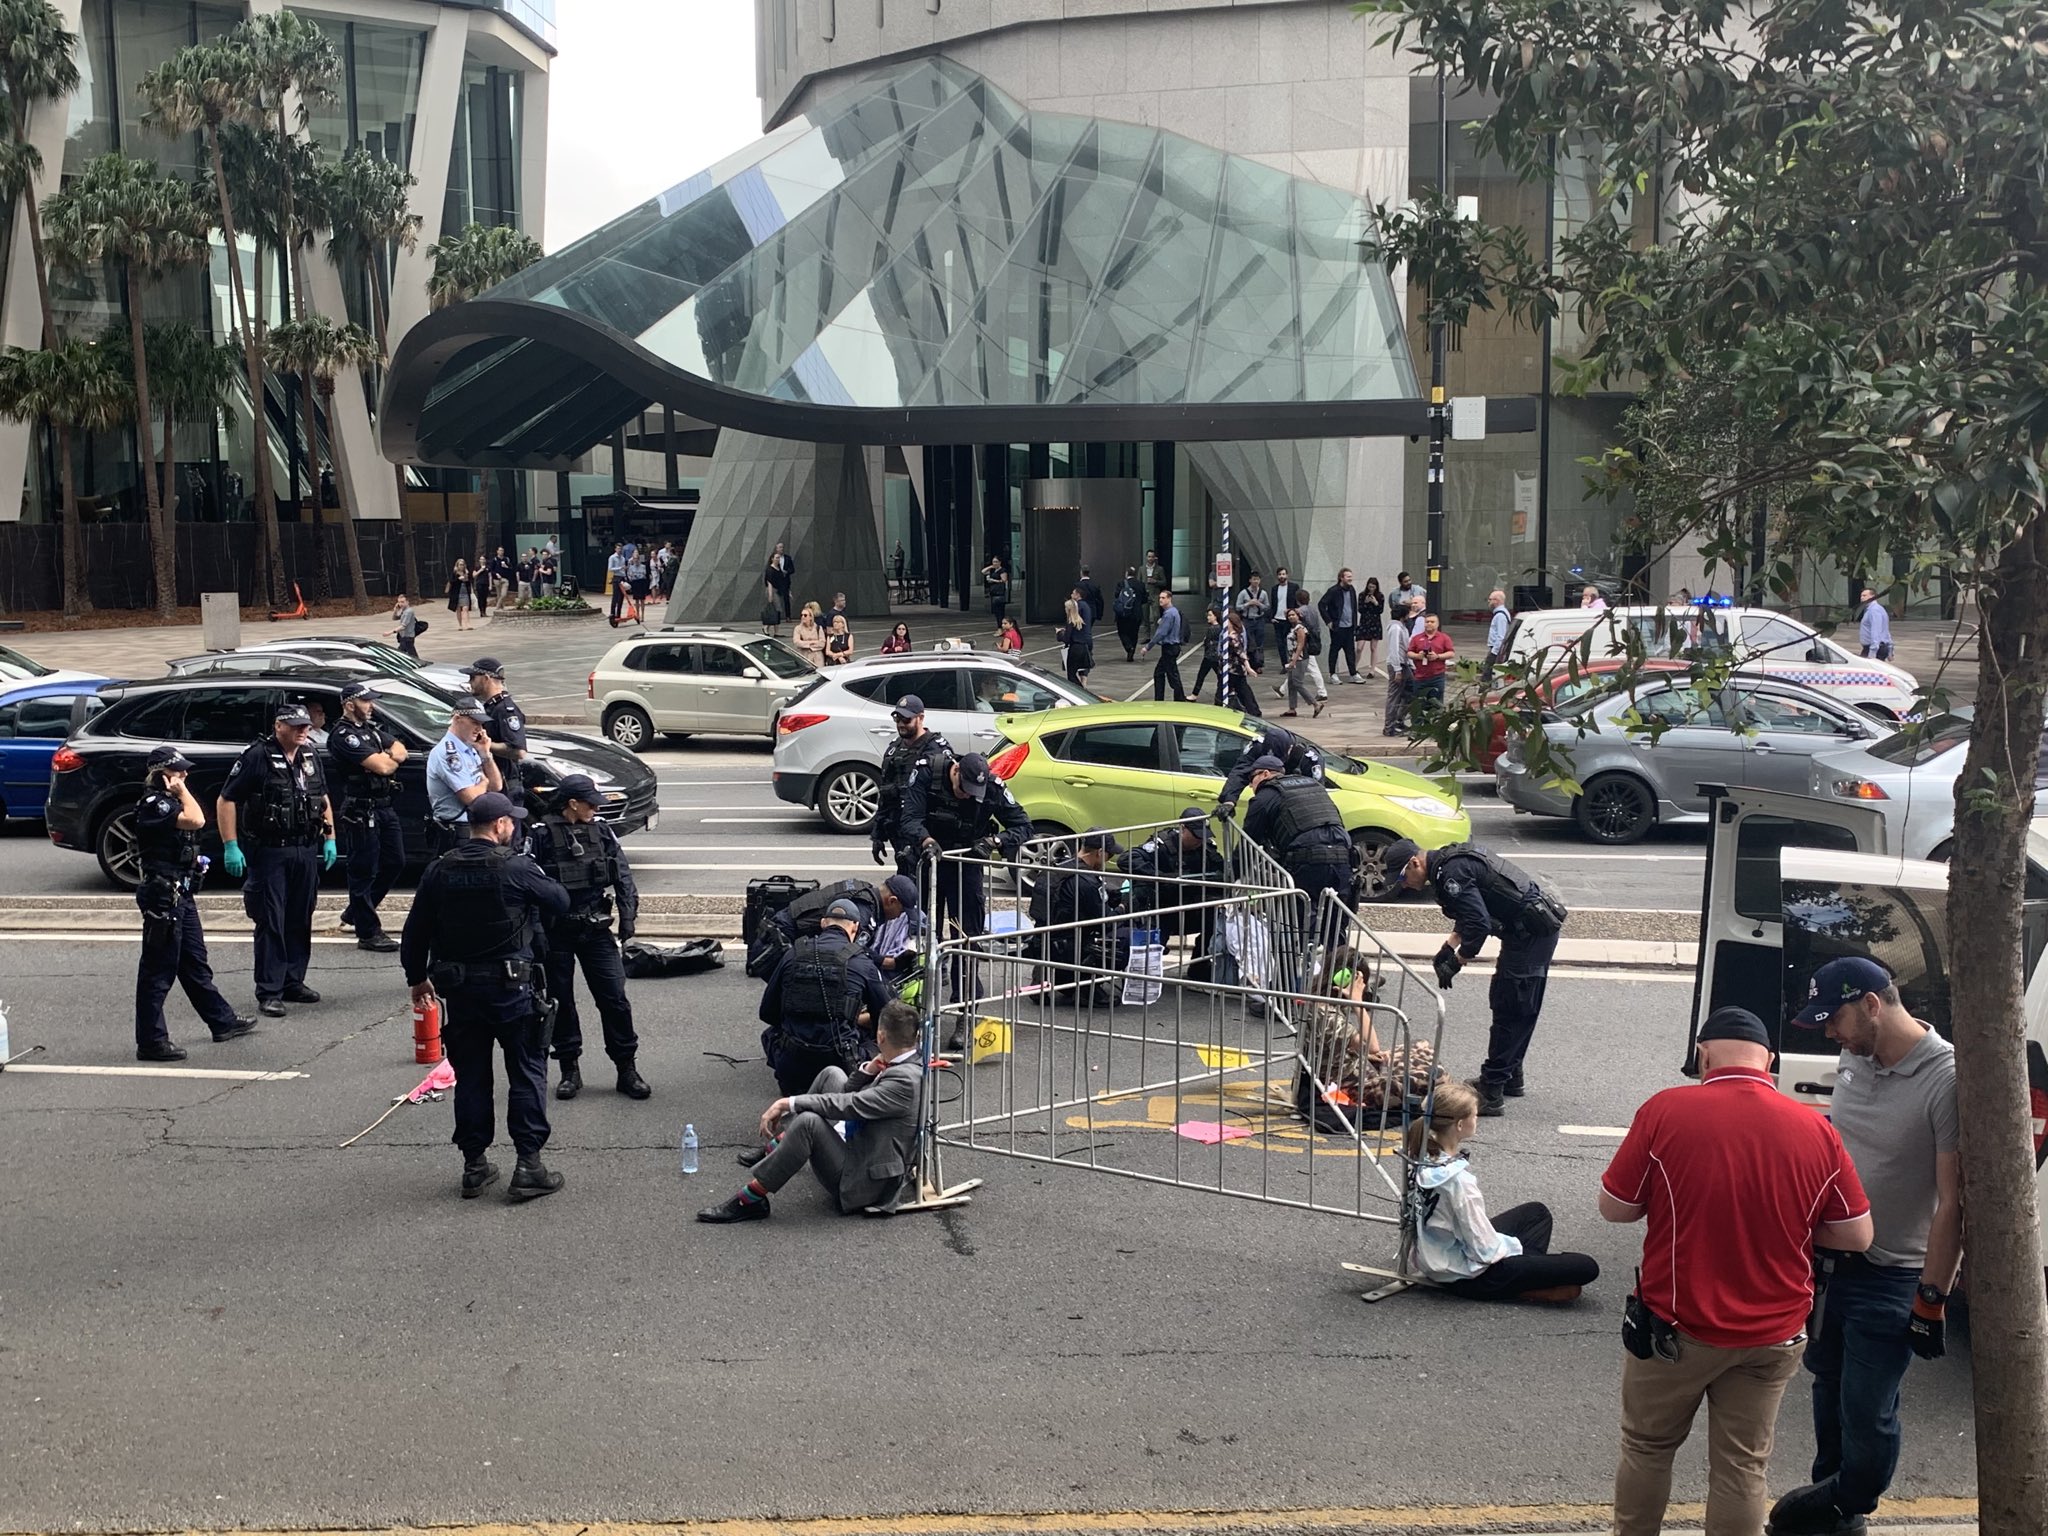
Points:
x=974 y=775
x=904 y=889
x=578 y=786
x=1838 y=982
x=909 y=707
x=358 y=691
x=169 y=757
x=1268 y=764
x=490 y=806
x=471 y=711
x=485 y=666
x=1196 y=820
x=1095 y=840
x=293 y=714
x=844 y=911
x=1395 y=856
x=1735 y=1024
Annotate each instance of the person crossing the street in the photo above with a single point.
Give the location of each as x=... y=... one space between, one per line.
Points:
x=275 y=799
x=914 y=742
x=1169 y=634
x=168 y=821
x=582 y=855
x=366 y=762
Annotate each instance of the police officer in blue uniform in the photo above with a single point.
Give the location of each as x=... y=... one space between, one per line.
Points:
x=469 y=938
x=505 y=722
x=366 y=762
x=582 y=855
x=167 y=826
x=1297 y=754
x=275 y=800
x=1294 y=819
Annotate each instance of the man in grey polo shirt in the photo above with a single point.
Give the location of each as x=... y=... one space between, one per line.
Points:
x=1894 y=1107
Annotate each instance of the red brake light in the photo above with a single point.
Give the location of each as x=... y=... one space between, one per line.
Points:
x=1859 y=789
x=590 y=686
x=1004 y=764
x=66 y=761
x=786 y=724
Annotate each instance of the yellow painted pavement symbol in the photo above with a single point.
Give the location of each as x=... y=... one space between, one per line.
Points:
x=1266 y=1108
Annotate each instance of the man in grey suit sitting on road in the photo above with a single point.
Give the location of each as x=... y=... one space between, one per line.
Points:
x=879 y=1105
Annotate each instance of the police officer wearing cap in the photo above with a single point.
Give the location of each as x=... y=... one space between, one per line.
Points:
x=913 y=743
x=459 y=769
x=167 y=826
x=1294 y=819
x=507 y=725
x=956 y=805
x=821 y=1001
x=898 y=942
x=1297 y=755
x=469 y=938
x=366 y=762
x=1168 y=872
x=275 y=800
x=1485 y=896
x=582 y=855
x=1072 y=903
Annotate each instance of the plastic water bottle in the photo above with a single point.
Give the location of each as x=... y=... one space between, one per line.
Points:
x=689 y=1148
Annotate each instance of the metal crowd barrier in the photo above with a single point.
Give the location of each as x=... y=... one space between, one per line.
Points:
x=1229 y=1056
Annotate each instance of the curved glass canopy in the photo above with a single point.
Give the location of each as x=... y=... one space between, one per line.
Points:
x=922 y=260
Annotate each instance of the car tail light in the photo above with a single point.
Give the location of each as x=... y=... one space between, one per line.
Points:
x=590 y=686
x=66 y=761
x=1858 y=789
x=786 y=725
x=1004 y=764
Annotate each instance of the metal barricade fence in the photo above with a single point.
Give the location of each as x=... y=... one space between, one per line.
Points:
x=1217 y=1033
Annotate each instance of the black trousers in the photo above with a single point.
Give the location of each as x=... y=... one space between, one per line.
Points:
x=478 y=1022
x=374 y=845
x=1127 y=631
x=1536 y=1268
x=1205 y=671
x=963 y=898
x=604 y=972
x=1167 y=670
x=174 y=949
x=1344 y=644
x=278 y=894
x=798 y=1067
x=1244 y=693
x=618 y=597
x=1521 y=975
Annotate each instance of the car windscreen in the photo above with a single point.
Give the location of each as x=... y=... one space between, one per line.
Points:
x=779 y=659
x=17 y=665
x=424 y=714
x=1923 y=743
x=1333 y=762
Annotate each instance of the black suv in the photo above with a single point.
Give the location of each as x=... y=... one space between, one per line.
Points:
x=96 y=778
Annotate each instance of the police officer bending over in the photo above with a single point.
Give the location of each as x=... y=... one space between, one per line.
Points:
x=275 y=799
x=1297 y=754
x=820 y=1002
x=1484 y=895
x=1073 y=901
x=469 y=938
x=167 y=825
x=1173 y=874
x=1294 y=819
x=913 y=744
x=366 y=762
x=582 y=855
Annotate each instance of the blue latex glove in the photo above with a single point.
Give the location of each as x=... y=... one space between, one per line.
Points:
x=231 y=859
x=327 y=854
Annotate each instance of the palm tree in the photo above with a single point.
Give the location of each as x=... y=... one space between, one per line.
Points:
x=479 y=257
x=190 y=379
x=203 y=89
x=126 y=210
x=74 y=385
x=368 y=205
x=318 y=350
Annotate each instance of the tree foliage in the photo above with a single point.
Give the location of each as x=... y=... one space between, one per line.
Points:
x=476 y=259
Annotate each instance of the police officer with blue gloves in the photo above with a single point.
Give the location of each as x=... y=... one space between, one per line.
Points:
x=167 y=826
x=275 y=801
x=366 y=762
x=582 y=855
x=469 y=938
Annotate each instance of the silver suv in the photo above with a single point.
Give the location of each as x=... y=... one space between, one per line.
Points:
x=829 y=739
x=689 y=680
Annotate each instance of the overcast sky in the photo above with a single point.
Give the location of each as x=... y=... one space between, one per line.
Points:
x=643 y=94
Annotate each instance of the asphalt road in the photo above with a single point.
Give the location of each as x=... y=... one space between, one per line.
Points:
x=210 y=1316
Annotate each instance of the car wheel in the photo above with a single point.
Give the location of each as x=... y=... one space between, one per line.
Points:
x=627 y=725
x=1944 y=853
x=849 y=798
x=120 y=854
x=1615 y=809
x=1369 y=879
x=1035 y=859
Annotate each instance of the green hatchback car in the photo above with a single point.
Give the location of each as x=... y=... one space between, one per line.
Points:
x=1124 y=765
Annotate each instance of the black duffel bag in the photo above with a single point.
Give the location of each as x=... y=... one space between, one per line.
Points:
x=689 y=959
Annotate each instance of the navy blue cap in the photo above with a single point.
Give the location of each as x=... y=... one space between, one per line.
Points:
x=974 y=775
x=471 y=710
x=1269 y=764
x=1395 y=856
x=904 y=889
x=909 y=707
x=485 y=666
x=578 y=786
x=170 y=758
x=1095 y=840
x=491 y=806
x=845 y=911
x=293 y=714
x=1838 y=982
x=358 y=691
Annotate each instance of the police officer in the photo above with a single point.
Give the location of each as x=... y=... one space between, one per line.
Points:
x=1297 y=754
x=469 y=938
x=1167 y=873
x=276 y=799
x=366 y=762
x=460 y=767
x=913 y=743
x=1294 y=819
x=821 y=1002
x=582 y=855
x=167 y=825
x=1486 y=896
x=1072 y=902
x=507 y=725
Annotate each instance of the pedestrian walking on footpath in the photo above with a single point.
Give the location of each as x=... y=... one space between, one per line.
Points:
x=406 y=626
x=1400 y=674
x=1168 y=635
x=1339 y=608
x=1498 y=623
x=1154 y=575
x=995 y=585
x=1298 y=638
x=1728 y=1167
x=779 y=572
x=1127 y=603
x=1288 y=593
x=615 y=578
x=461 y=593
x=1874 y=629
x=1255 y=607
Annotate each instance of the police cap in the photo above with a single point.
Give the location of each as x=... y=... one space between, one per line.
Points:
x=844 y=911
x=1269 y=764
x=358 y=691
x=578 y=786
x=904 y=889
x=1395 y=856
x=168 y=758
x=491 y=806
x=485 y=666
x=1095 y=840
x=909 y=707
x=974 y=775
x=293 y=714
x=471 y=711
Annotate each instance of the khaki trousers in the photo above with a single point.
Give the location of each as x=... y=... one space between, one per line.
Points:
x=1659 y=1399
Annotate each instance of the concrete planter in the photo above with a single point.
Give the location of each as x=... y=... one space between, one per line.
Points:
x=544 y=616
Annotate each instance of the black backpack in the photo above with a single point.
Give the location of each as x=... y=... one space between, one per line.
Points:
x=1315 y=643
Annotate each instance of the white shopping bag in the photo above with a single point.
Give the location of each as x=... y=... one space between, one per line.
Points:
x=1250 y=943
x=1144 y=974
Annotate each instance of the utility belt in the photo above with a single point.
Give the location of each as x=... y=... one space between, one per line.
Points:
x=160 y=896
x=453 y=975
x=362 y=810
x=599 y=916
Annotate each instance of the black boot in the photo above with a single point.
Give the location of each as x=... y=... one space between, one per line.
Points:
x=1492 y=1101
x=735 y=1209
x=1513 y=1087
x=234 y=1031
x=631 y=1083
x=160 y=1050
x=1811 y=1511
x=476 y=1173
x=531 y=1180
x=751 y=1156
x=572 y=1078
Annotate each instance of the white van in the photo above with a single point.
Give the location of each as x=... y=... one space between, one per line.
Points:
x=1793 y=882
x=1774 y=644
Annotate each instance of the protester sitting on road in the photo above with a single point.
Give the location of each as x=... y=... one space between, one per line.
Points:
x=1505 y=1258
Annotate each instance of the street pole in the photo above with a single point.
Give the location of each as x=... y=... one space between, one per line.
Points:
x=1434 y=551
x=1223 y=634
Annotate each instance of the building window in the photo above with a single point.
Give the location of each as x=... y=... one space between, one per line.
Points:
x=483 y=173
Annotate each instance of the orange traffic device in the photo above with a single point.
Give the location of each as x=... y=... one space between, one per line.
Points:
x=426 y=1031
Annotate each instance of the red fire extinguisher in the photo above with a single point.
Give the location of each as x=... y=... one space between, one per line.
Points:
x=426 y=1031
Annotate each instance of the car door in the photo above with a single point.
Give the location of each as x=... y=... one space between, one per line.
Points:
x=31 y=731
x=1204 y=756
x=726 y=695
x=1782 y=731
x=1001 y=691
x=951 y=707
x=1776 y=646
x=1698 y=744
x=664 y=673
x=1116 y=776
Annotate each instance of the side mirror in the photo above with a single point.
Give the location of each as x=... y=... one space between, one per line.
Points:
x=751 y=674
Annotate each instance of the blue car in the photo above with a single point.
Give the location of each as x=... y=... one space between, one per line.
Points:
x=35 y=718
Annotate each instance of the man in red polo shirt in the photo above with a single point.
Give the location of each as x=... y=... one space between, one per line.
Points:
x=1430 y=653
x=1738 y=1184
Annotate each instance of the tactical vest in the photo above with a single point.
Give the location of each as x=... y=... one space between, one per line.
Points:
x=898 y=763
x=577 y=858
x=359 y=786
x=1305 y=806
x=819 y=998
x=285 y=810
x=956 y=822
x=1520 y=902
x=473 y=920
x=808 y=910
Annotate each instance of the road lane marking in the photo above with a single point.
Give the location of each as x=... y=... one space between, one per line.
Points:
x=1615 y=1131
x=778 y=816
x=218 y=1074
x=1633 y=858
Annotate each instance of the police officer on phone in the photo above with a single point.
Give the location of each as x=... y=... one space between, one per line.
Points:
x=506 y=723
x=276 y=801
x=582 y=855
x=913 y=744
x=366 y=762
x=167 y=826
x=469 y=938
x=460 y=767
